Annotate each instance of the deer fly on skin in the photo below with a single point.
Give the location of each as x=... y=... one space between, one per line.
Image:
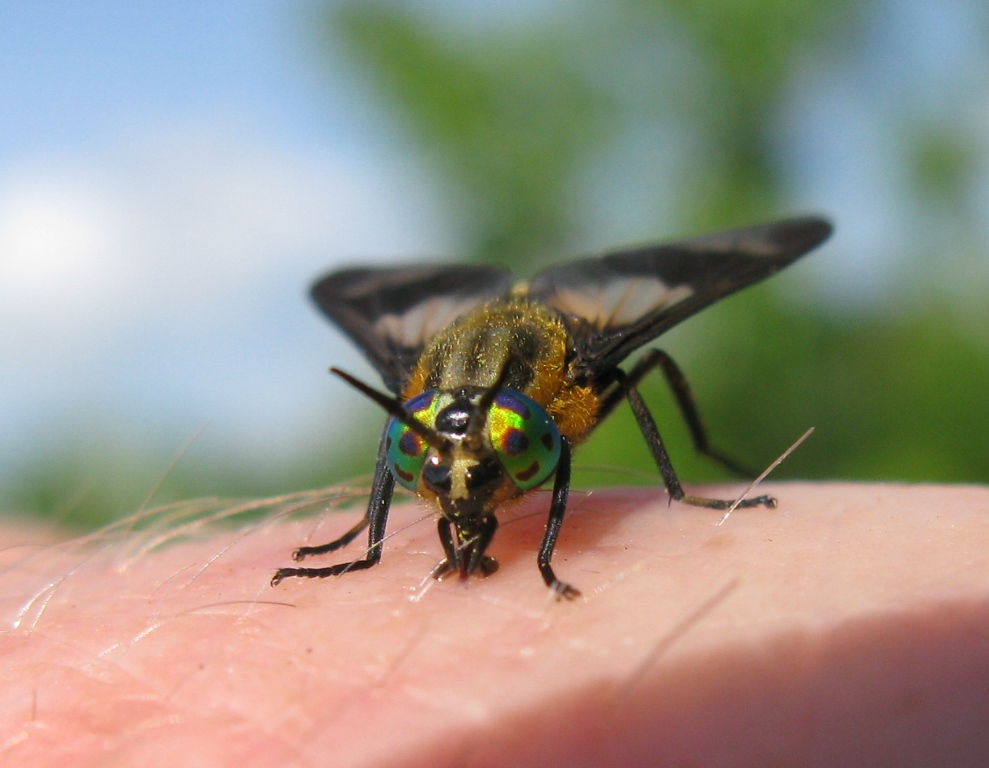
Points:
x=494 y=383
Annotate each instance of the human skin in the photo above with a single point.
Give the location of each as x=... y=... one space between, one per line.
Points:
x=849 y=626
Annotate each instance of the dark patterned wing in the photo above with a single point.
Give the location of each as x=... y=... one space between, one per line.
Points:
x=392 y=313
x=614 y=304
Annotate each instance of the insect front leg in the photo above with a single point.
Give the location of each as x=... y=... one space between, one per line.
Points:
x=466 y=557
x=651 y=433
x=654 y=358
x=558 y=507
x=452 y=556
x=376 y=517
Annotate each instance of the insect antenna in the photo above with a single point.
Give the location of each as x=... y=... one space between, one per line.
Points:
x=394 y=406
x=486 y=399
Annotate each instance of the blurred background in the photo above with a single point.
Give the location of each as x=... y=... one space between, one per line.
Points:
x=174 y=175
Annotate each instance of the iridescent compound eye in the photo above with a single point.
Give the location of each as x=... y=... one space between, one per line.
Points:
x=405 y=449
x=524 y=438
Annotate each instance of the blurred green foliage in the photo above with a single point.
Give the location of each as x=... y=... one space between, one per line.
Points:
x=545 y=128
x=512 y=115
x=504 y=118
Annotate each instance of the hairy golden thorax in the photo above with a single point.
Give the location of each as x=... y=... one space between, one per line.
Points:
x=531 y=340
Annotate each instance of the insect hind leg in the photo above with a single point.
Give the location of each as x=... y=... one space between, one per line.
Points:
x=677 y=382
x=375 y=519
x=647 y=424
x=303 y=552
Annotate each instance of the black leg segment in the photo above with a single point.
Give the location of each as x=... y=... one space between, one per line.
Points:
x=558 y=508
x=677 y=382
x=375 y=518
x=647 y=424
x=466 y=554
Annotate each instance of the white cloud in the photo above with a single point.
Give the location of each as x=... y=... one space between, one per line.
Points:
x=58 y=240
x=189 y=215
x=126 y=277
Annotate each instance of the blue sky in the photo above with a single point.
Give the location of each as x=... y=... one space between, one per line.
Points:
x=81 y=74
x=172 y=176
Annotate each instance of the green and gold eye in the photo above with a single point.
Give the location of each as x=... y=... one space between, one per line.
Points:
x=524 y=438
x=405 y=449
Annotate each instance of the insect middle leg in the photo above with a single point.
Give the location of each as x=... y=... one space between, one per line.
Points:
x=647 y=424
x=376 y=517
